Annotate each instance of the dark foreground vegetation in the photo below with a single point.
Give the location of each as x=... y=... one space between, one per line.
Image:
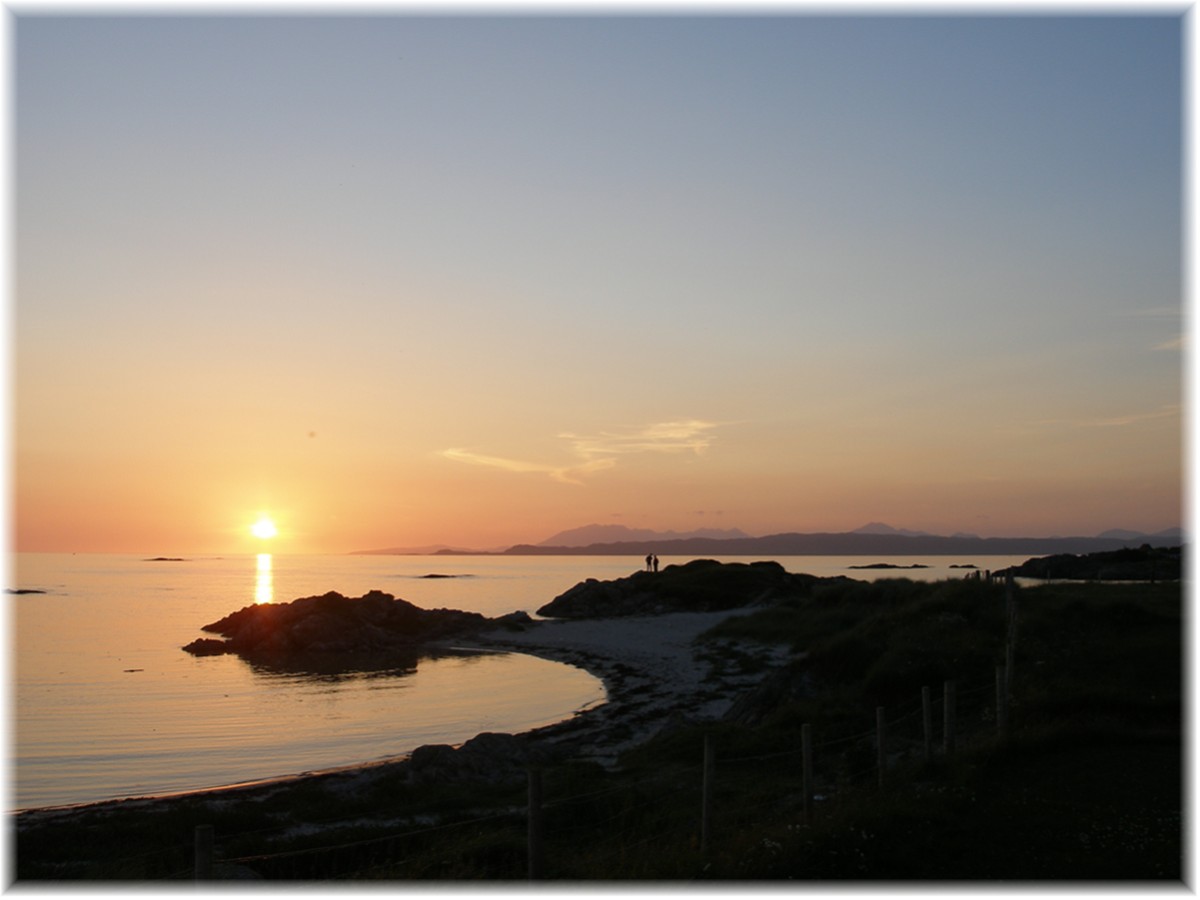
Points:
x=1084 y=784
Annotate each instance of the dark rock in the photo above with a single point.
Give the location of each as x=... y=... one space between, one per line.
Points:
x=429 y=758
x=702 y=585
x=515 y=621
x=1143 y=563
x=333 y=624
x=489 y=758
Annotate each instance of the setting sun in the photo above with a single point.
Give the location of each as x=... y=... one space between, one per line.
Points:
x=264 y=528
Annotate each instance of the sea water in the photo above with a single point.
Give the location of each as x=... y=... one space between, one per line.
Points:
x=105 y=704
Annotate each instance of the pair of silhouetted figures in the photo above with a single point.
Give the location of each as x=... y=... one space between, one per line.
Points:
x=651 y=562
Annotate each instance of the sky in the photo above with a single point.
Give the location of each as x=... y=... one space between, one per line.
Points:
x=399 y=280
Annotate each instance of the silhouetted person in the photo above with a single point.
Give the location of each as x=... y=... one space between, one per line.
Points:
x=656 y=564
x=649 y=562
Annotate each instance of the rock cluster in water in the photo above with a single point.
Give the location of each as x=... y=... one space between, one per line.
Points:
x=1143 y=563
x=331 y=623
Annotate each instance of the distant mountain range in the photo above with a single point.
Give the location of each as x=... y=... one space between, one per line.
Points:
x=875 y=538
x=1121 y=534
x=881 y=528
x=608 y=534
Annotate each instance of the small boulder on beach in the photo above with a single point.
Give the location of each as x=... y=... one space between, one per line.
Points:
x=491 y=758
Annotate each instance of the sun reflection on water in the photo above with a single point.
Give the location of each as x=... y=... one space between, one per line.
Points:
x=264 y=588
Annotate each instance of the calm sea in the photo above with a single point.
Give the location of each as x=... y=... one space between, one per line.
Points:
x=106 y=705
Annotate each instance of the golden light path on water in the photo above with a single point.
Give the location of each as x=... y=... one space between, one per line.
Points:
x=264 y=589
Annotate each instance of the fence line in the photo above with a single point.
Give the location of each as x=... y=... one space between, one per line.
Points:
x=813 y=769
x=445 y=826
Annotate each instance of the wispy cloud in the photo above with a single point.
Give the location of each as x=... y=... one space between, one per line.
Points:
x=1164 y=412
x=1159 y=314
x=567 y=474
x=665 y=437
x=1133 y=418
x=496 y=462
x=600 y=451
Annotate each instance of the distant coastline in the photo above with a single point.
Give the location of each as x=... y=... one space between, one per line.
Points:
x=820 y=544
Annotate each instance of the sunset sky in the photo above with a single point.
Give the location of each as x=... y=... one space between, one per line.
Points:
x=399 y=281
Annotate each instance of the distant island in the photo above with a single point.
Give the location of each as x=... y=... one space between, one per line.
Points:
x=889 y=566
x=874 y=539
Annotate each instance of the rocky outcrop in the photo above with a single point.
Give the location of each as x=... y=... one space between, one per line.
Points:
x=489 y=758
x=333 y=624
x=1143 y=563
x=702 y=585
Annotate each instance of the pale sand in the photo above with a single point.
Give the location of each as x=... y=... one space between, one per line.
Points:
x=654 y=675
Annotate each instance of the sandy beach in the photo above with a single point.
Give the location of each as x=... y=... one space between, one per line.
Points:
x=653 y=673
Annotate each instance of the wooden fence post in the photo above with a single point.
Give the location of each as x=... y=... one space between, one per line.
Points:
x=204 y=852
x=880 y=744
x=1010 y=641
x=1002 y=702
x=948 y=718
x=807 y=766
x=536 y=854
x=707 y=794
x=927 y=722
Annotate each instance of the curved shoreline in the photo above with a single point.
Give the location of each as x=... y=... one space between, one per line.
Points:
x=649 y=668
